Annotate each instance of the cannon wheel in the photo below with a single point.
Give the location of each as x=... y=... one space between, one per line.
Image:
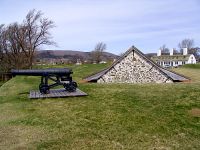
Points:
x=44 y=89
x=70 y=87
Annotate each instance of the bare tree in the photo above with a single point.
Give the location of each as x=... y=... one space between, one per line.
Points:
x=186 y=43
x=3 y=48
x=18 y=42
x=189 y=44
x=195 y=51
x=10 y=51
x=98 y=51
x=34 y=33
x=175 y=51
x=1 y=42
x=164 y=49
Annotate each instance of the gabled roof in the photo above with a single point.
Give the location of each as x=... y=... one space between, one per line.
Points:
x=172 y=75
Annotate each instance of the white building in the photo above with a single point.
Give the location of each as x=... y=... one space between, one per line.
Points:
x=174 y=60
x=78 y=62
x=102 y=62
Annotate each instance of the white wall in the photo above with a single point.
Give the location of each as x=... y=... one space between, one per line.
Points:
x=185 y=51
x=179 y=62
x=192 y=60
x=159 y=52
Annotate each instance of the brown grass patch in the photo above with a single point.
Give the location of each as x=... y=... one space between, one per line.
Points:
x=195 y=112
x=20 y=137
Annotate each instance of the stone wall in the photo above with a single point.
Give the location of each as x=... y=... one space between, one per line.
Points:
x=134 y=69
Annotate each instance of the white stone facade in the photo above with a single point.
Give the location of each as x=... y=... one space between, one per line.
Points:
x=134 y=69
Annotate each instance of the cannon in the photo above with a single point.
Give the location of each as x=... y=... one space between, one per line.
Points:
x=59 y=76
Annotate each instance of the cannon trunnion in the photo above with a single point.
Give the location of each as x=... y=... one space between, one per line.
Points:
x=59 y=76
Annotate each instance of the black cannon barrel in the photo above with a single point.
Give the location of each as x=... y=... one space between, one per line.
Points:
x=42 y=72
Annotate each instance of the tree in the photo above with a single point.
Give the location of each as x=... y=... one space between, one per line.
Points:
x=1 y=42
x=1 y=48
x=18 y=42
x=164 y=49
x=34 y=33
x=175 y=51
x=186 y=43
x=98 y=51
x=195 y=51
x=189 y=44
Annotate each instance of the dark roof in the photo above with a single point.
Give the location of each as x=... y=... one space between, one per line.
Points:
x=95 y=76
x=175 y=76
x=172 y=75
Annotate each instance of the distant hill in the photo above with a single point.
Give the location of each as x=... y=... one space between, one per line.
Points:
x=71 y=55
x=149 y=55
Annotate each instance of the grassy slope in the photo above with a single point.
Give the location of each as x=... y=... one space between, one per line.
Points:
x=113 y=116
x=80 y=71
x=1 y=83
x=190 y=70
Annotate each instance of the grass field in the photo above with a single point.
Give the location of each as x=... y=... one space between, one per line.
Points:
x=190 y=70
x=1 y=83
x=113 y=116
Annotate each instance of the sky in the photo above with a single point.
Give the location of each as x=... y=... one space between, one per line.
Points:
x=81 y=24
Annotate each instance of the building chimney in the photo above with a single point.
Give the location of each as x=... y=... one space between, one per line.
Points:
x=171 y=52
x=159 y=52
x=185 y=51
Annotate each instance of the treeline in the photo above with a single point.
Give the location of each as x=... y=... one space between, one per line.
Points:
x=19 y=41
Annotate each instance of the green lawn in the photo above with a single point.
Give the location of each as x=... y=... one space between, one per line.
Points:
x=1 y=83
x=113 y=116
x=79 y=71
x=190 y=70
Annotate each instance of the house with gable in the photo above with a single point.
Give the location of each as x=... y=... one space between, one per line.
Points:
x=174 y=60
x=134 y=67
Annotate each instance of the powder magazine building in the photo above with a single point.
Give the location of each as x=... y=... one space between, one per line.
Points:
x=134 y=67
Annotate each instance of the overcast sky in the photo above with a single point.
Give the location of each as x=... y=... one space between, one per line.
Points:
x=80 y=24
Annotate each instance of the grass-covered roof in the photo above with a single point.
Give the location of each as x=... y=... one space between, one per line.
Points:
x=171 y=58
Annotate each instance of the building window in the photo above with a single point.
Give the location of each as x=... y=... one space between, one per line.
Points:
x=183 y=63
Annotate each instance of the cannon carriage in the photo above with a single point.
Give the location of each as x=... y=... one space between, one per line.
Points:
x=59 y=76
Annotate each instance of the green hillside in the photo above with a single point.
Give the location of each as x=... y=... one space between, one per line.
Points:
x=1 y=83
x=113 y=116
